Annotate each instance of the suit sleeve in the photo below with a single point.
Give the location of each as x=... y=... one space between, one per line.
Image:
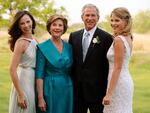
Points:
x=70 y=38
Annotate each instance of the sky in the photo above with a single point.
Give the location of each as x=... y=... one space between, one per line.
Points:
x=74 y=7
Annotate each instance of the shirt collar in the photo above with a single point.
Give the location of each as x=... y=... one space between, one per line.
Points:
x=91 y=32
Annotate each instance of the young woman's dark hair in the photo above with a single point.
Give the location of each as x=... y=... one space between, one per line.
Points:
x=14 y=31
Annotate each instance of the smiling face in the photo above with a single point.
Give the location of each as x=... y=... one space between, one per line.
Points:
x=117 y=24
x=57 y=28
x=25 y=24
x=121 y=21
x=90 y=17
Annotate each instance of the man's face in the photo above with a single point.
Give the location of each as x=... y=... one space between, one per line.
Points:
x=90 y=18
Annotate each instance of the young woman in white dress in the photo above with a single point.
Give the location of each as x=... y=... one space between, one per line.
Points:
x=118 y=98
x=23 y=46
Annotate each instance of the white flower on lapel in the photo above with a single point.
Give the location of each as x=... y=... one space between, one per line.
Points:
x=96 y=40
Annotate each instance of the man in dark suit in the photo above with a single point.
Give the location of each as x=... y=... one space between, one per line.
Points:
x=90 y=66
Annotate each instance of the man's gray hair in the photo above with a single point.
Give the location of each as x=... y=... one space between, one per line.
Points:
x=90 y=6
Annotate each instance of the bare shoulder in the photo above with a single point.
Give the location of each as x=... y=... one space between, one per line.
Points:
x=118 y=40
x=21 y=45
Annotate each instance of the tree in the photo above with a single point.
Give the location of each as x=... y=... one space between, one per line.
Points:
x=105 y=24
x=141 y=22
x=40 y=9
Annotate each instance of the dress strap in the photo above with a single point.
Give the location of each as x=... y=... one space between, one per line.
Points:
x=32 y=41
x=25 y=39
x=126 y=44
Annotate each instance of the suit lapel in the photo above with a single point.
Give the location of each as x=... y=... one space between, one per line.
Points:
x=79 y=39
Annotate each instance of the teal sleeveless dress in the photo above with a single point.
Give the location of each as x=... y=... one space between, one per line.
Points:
x=54 y=68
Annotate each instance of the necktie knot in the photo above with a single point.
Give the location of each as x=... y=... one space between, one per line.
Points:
x=87 y=34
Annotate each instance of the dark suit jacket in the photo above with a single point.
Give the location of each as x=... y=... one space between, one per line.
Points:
x=90 y=76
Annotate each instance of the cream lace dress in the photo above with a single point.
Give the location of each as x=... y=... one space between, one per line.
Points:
x=26 y=75
x=122 y=95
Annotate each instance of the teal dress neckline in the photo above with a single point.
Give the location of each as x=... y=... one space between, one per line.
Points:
x=56 y=48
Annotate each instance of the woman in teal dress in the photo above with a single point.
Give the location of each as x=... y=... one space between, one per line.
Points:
x=53 y=66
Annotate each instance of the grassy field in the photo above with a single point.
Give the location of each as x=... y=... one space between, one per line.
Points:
x=139 y=67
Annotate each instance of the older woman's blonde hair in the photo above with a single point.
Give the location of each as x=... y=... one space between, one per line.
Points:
x=123 y=14
x=56 y=17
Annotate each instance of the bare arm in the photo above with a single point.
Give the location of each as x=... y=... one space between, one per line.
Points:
x=18 y=51
x=118 y=61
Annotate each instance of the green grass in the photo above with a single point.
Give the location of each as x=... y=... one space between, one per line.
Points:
x=139 y=67
x=4 y=76
x=140 y=70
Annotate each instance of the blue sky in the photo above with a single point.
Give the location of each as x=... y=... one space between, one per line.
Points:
x=105 y=6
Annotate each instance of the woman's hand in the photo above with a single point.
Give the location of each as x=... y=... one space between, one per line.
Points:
x=107 y=100
x=22 y=102
x=42 y=104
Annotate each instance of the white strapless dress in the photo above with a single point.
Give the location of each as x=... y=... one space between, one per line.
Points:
x=123 y=93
